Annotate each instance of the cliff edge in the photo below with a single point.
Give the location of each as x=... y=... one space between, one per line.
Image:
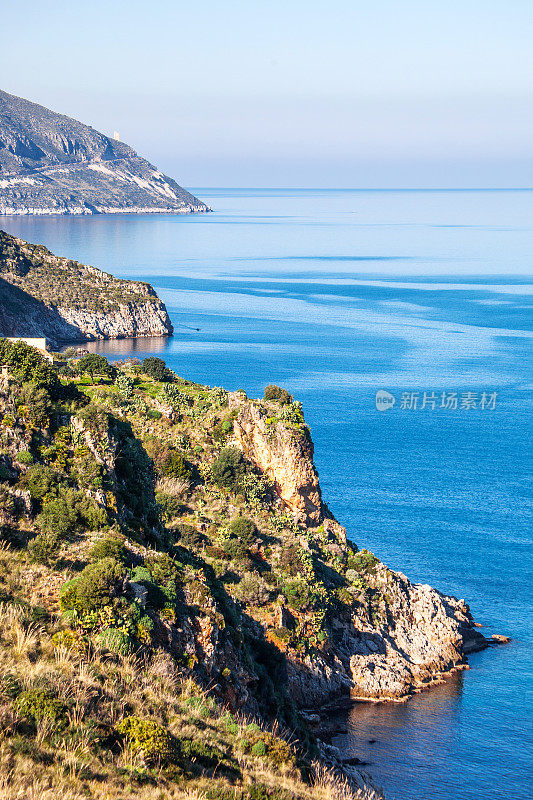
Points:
x=45 y=295
x=391 y=637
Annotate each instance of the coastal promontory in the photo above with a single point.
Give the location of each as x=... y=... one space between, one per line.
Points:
x=53 y=164
x=44 y=295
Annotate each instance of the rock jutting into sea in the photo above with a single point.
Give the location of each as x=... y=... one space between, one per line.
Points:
x=44 y=295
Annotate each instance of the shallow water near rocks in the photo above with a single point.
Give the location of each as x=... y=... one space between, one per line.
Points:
x=335 y=295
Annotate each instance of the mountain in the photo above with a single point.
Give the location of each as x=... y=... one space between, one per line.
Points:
x=45 y=295
x=52 y=164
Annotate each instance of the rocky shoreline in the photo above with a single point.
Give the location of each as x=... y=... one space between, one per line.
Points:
x=44 y=295
x=403 y=637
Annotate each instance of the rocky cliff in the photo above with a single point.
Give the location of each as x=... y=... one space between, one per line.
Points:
x=52 y=164
x=172 y=541
x=45 y=295
x=394 y=637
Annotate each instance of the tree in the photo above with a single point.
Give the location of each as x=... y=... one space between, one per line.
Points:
x=157 y=369
x=26 y=364
x=93 y=364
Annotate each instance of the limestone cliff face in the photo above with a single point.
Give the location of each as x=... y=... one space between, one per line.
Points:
x=406 y=638
x=45 y=295
x=398 y=636
x=285 y=454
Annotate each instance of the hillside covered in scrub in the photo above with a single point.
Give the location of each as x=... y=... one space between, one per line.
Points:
x=178 y=603
x=42 y=294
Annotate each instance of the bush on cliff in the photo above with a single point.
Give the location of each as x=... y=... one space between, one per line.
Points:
x=44 y=549
x=156 y=369
x=228 y=468
x=244 y=530
x=37 y=705
x=276 y=393
x=149 y=741
x=96 y=586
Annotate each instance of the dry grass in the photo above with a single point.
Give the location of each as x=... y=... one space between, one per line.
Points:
x=177 y=487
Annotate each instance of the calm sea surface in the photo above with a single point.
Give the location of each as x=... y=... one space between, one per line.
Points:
x=335 y=295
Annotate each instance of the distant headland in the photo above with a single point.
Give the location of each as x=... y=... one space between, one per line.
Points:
x=52 y=164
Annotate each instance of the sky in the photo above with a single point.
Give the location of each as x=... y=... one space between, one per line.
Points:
x=333 y=93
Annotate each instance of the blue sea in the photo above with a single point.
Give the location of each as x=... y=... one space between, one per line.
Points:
x=337 y=295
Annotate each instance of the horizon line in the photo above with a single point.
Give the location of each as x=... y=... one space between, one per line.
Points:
x=374 y=188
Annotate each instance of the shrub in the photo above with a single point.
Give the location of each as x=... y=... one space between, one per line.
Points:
x=228 y=468
x=290 y=560
x=140 y=574
x=344 y=595
x=244 y=530
x=44 y=549
x=363 y=561
x=201 y=752
x=148 y=740
x=274 y=748
x=10 y=685
x=252 y=589
x=68 y=595
x=282 y=633
x=299 y=594
x=90 y=514
x=157 y=369
x=273 y=392
x=95 y=419
x=163 y=568
x=25 y=457
x=70 y=639
x=223 y=428
x=259 y=749
x=40 y=481
x=229 y=721
x=57 y=517
x=190 y=537
x=235 y=549
x=36 y=403
x=94 y=588
x=39 y=704
x=124 y=384
x=175 y=466
x=108 y=547
x=114 y=640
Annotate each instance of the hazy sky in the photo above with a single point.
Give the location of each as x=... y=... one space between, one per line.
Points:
x=290 y=92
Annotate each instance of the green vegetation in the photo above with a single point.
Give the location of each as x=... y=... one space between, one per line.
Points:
x=228 y=468
x=144 y=565
x=156 y=369
x=277 y=394
x=94 y=365
x=64 y=283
